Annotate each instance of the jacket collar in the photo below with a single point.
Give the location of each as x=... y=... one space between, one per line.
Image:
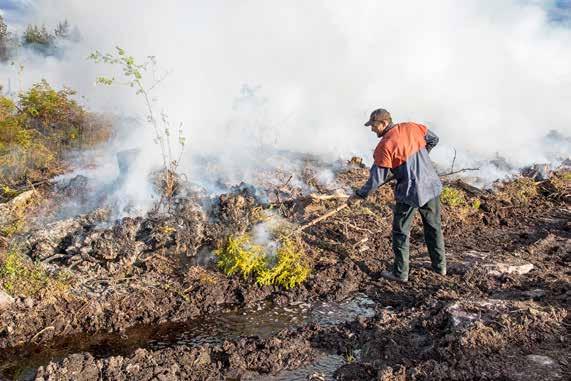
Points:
x=390 y=127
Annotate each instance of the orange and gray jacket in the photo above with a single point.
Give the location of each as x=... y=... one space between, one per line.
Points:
x=403 y=150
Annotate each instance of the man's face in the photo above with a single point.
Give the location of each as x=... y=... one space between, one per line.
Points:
x=379 y=126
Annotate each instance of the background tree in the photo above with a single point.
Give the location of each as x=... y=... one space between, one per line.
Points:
x=144 y=79
x=62 y=30
x=4 y=39
x=40 y=37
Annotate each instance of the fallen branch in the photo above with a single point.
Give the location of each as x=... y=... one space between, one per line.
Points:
x=54 y=257
x=51 y=327
x=458 y=171
x=323 y=197
x=323 y=217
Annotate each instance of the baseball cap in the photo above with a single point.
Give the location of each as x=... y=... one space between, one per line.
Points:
x=378 y=115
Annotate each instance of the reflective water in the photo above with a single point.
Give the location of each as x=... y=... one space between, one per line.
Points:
x=263 y=319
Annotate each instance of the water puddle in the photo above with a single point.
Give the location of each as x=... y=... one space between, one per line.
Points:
x=320 y=370
x=262 y=319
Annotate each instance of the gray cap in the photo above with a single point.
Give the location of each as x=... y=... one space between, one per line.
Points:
x=378 y=115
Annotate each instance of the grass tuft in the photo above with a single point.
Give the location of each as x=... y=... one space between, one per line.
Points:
x=21 y=277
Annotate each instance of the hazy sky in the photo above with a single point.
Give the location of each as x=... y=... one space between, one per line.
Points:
x=490 y=77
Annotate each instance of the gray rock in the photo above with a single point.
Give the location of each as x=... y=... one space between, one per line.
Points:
x=459 y=317
x=499 y=269
x=5 y=300
x=539 y=367
x=10 y=208
x=463 y=314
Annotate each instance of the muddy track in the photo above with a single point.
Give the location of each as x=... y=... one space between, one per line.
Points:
x=500 y=313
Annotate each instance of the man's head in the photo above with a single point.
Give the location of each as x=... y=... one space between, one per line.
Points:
x=379 y=120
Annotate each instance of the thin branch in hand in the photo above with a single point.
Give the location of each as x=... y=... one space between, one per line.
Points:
x=453 y=161
x=459 y=171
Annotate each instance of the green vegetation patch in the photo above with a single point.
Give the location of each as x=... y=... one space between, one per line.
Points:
x=240 y=256
x=288 y=268
x=37 y=130
x=452 y=197
x=21 y=277
x=518 y=192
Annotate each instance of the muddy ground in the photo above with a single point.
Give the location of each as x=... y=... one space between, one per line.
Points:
x=500 y=313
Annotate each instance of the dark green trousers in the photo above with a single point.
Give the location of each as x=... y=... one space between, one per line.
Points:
x=403 y=216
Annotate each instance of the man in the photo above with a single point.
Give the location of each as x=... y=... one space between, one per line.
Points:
x=403 y=151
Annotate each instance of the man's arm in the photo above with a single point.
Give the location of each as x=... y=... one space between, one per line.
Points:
x=377 y=177
x=431 y=140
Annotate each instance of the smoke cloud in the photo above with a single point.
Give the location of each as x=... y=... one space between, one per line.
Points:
x=490 y=77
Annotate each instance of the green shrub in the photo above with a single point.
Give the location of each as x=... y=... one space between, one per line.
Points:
x=35 y=35
x=289 y=269
x=52 y=111
x=240 y=256
x=518 y=192
x=37 y=131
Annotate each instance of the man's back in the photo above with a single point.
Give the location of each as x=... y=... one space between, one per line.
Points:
x=403 y=149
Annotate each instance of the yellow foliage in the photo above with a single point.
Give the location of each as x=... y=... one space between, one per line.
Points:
x=167 y=229
x=240 y=256
x=13 y=228
x=289 y=269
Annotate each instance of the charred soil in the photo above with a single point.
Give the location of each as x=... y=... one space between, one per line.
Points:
x=500 y=313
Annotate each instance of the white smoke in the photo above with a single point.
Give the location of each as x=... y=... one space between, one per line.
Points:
x=489 y=77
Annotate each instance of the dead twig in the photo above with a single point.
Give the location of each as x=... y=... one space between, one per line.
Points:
x=158 y=256
x=453 y=161
x=287 y=182
x=323 y=217
x=51 y=327
x=324 y=197
x=55 y=256
x=458 y=171
x=360 y=242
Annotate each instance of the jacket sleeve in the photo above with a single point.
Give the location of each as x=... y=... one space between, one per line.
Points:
x=431 y=140
x=377 y=177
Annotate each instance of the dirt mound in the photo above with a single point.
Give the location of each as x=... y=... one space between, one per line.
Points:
x=230 y=360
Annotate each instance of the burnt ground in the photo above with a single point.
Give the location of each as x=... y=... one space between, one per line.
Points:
x=500 y=313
